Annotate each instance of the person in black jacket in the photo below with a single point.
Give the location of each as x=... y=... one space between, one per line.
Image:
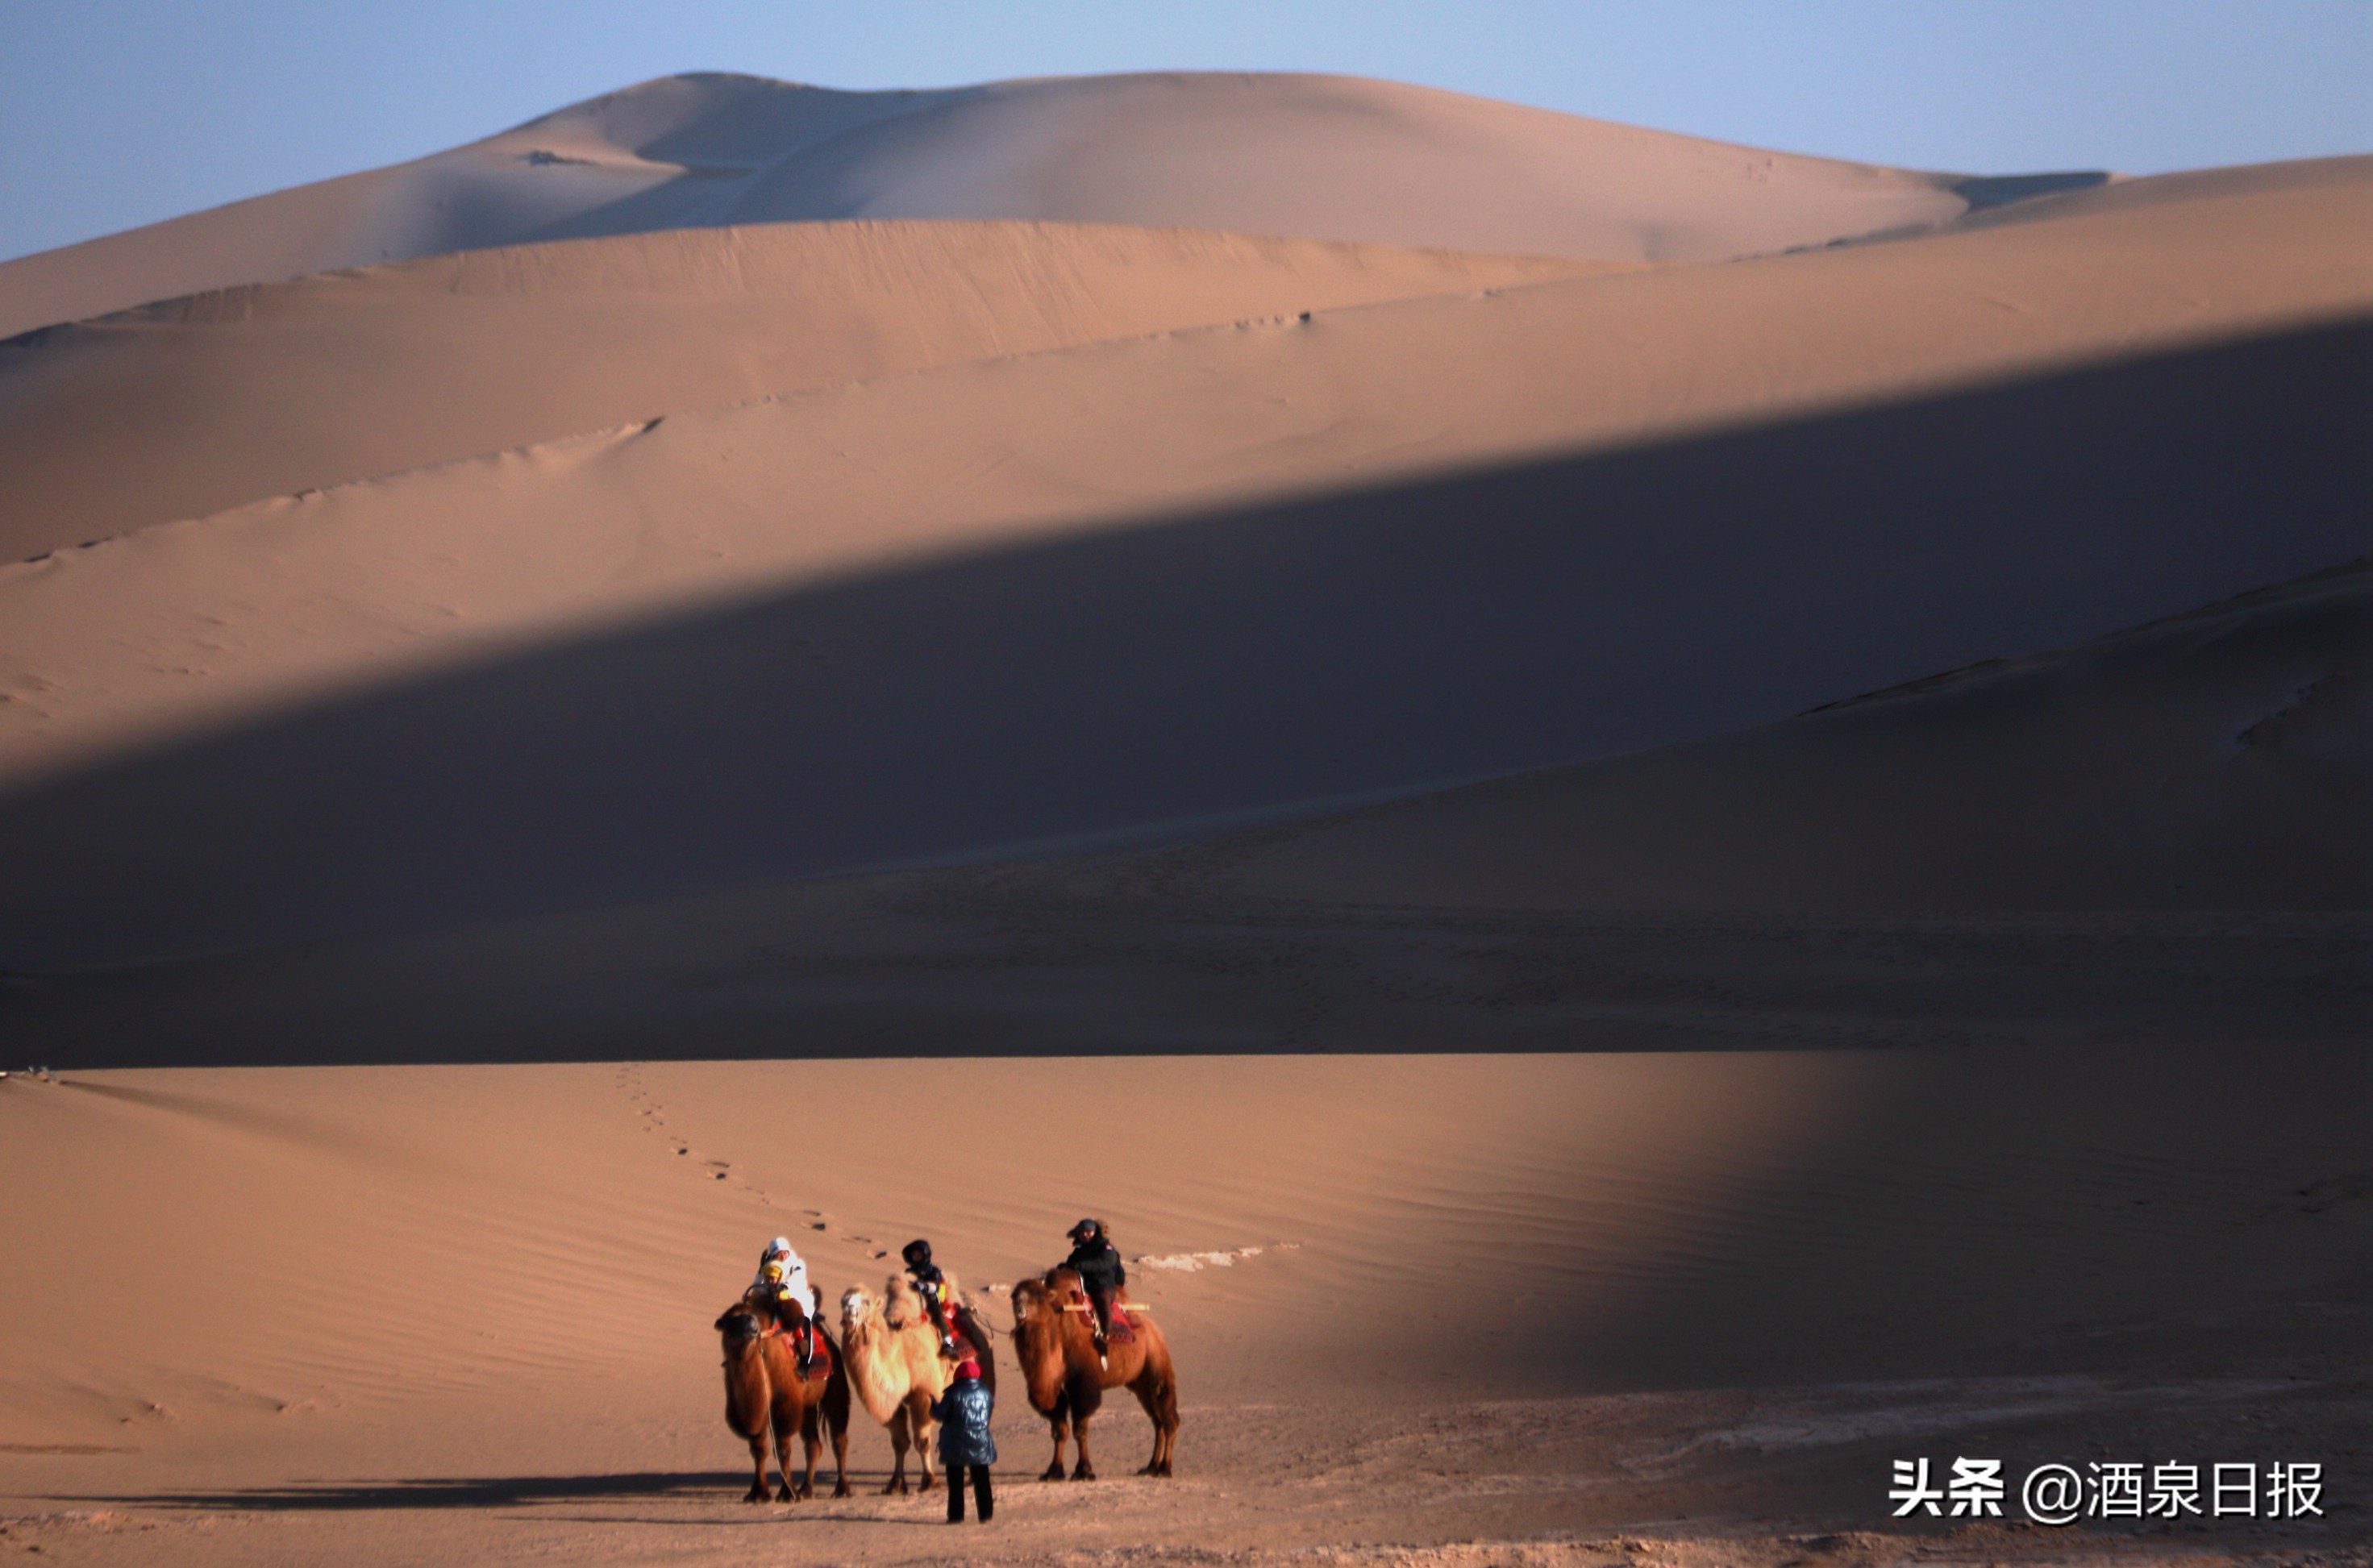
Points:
x=1100 y=1270
x=965 y=1442
x=932 y=1286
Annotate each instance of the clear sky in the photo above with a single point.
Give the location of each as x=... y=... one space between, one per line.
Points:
x=117 y=112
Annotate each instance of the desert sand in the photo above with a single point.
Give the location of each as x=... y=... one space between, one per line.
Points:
x=1660 y=822
x=195 y=406
x=1326 y=157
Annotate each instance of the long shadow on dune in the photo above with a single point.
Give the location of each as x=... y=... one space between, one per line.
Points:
x=1252 y=660
x=474 y=1491
x=468 y=1491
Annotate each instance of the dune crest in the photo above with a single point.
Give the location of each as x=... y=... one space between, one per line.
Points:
x=1313 y=156
x=195 y=406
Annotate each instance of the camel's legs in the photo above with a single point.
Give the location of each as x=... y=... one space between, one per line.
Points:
x=1082 y=1471
x=920 y=1404
x=840 y=1460
x=759 y=1491
x=1160 y=1400
x=783 y=1461
x=898 y=1443
x=809 y=1443
x=1062 y=1433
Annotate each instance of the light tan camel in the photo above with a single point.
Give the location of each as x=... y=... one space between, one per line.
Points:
x=895 y=1367
x=767 y=1394
x=1054 y=1339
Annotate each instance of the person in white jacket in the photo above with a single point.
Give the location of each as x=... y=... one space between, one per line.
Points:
x=782 y=1285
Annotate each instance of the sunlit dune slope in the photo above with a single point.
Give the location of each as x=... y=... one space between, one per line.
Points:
x=193 y=405
x=1133 y=588
x=512 y=1270
x=1328 y=157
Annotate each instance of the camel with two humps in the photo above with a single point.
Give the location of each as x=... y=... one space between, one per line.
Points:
x=896 y=1369
x=767 y=1395
x=1053 y=1340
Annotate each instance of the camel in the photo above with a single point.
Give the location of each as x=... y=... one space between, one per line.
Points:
x=765 y=1391
x=896 y=1367
x=1054 y=1342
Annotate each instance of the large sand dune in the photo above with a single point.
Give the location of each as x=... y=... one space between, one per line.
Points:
x=422 y=1315
x=1326 y=157
x=2217 y=760
x=1641 y=889
x=198 y=404
x=2157 y=836
x=1122 y=588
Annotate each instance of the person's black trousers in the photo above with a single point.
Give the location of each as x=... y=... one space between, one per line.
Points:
x=955 y=1476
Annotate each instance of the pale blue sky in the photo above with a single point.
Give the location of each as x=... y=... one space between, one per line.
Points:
x=117 y=112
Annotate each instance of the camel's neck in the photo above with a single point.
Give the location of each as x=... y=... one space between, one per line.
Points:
x=872 y=1369
x=747 y=1388
x=1039 y=1349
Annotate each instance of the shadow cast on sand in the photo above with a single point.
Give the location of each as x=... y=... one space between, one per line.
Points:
x=473 y=1492
x=1147 y=682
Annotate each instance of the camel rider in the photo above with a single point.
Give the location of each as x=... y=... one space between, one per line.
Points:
x=1098 y=1264
x=782 y=1286
x=932 y=1286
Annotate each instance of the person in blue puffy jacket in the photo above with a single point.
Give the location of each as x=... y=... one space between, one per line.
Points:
x=965 y=1444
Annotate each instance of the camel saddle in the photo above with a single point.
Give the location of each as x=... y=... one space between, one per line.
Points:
x=819 y=1362
x=1117 y=1332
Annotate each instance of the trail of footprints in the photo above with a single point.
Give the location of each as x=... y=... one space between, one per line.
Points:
x=652 y=1117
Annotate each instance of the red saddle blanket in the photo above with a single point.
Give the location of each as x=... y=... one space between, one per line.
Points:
x=819 y=1362
x=1118 y=1331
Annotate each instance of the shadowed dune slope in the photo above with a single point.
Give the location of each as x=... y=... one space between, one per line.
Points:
x=180 y=627
x=1262 y=659
x=1133 y=589
x=197 y=405
x=2331 y=177
x=1326 y=158
x=2156 y=836
x=2217 y=760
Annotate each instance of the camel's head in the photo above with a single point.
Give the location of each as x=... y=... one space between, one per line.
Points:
x=857 y=1308
x=739 y=1326
x=1033 y=1303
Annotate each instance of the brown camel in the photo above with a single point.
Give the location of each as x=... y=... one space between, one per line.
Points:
x=896 y=1367
x=1054 y=1340
x=765 y=1391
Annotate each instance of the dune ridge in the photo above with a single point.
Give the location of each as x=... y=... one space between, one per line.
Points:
x=101 y=645
x=195 y=406
x=1385 y=549
x=1316 y=156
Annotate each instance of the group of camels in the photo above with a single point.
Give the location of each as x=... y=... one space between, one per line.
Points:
x=889 y=1353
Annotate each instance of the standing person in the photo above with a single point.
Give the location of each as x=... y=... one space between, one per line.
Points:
x=932 y=1286
x=966 y=1442
x=782 y=1285
x=1100 y=1270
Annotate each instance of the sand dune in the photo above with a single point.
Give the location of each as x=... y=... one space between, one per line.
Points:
x=1396 y=546
x=2157 y=836
x=1640 y=889
x=1324 y=158
x=198 y=404
x=2217 y=760
x=386 y=1283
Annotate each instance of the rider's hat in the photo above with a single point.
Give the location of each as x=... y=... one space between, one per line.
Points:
x=773 y=1272
x=917 y=1249
x=1083 y=1229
